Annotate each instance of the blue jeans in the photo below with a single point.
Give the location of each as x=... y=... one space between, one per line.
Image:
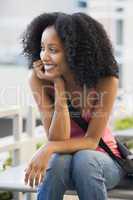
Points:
x=88 y=172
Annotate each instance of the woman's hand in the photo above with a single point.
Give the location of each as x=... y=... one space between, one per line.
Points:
x=37 y=166
x=53 y=76
x=50 y=75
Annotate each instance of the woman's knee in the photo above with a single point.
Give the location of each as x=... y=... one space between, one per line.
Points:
x=59 y=163
x=85 y=163
x=57 y=172
x=95 y=166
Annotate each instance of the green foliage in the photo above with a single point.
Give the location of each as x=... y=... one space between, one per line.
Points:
x=8 y=162
x=39 y=145
x=6 y=195
x=122 y=124
x=130 y=144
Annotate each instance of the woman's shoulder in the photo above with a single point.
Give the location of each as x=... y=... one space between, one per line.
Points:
x=106 y=83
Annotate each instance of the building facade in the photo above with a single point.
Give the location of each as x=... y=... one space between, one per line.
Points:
x=116 y=16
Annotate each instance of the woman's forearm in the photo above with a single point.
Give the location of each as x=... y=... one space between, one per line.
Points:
x=60 y=125
x=72 y=145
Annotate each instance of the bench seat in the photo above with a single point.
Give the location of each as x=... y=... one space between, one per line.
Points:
x=12 y=180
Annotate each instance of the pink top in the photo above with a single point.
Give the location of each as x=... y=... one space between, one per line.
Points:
x=108 y=138
x=76 y=131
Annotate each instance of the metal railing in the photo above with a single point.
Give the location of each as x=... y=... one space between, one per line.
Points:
x=18 y=143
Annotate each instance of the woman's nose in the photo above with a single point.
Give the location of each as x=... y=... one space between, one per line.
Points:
x=44 y=55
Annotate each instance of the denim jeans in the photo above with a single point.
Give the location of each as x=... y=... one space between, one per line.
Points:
x=90 y=173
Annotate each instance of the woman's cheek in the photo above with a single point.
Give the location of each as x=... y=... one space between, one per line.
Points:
x=41 y=58
x=41 y=55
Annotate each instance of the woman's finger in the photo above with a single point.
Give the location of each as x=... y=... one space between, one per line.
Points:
x=43 y=171
x=41 y=179
x=37 y=66
x=37 y=63
x=27 y=174
x=32 y=178
x=41 y=176
x=31 y=181
x=37 y=178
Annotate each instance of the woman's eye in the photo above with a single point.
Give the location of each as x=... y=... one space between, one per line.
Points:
x=53 y=50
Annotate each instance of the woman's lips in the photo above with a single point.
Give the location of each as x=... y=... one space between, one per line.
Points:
x=48 y=66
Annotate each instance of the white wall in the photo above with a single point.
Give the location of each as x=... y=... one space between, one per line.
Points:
x=22 y=8
x=15 y=15
x=128 y=47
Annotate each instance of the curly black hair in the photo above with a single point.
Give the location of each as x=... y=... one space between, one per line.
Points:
x=88 y=50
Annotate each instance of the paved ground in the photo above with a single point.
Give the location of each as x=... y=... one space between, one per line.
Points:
x=76 y=198
x=70 y=198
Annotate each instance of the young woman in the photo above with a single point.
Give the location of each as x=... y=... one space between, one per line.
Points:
x=71 y=57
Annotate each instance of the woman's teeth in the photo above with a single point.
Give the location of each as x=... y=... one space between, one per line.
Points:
x=48 y=67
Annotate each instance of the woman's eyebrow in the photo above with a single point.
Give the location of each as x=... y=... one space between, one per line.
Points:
x=50 y=44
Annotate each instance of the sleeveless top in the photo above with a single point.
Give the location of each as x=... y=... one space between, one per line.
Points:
x=107 y=136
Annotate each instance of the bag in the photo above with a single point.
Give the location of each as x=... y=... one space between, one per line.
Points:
x=126 y=160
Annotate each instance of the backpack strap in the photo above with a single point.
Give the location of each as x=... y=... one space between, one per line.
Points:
x=84 y=125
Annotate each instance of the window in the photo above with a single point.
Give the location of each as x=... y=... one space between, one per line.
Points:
x=119 y=10
x=82 y=3
x=119 y=32
x=120 y=75
x=119 y=58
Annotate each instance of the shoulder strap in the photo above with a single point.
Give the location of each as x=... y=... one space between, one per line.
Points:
x=84 y=125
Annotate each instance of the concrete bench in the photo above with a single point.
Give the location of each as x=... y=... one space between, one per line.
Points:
x=12 y=180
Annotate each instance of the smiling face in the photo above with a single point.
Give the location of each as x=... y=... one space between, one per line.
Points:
x=52 y=52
